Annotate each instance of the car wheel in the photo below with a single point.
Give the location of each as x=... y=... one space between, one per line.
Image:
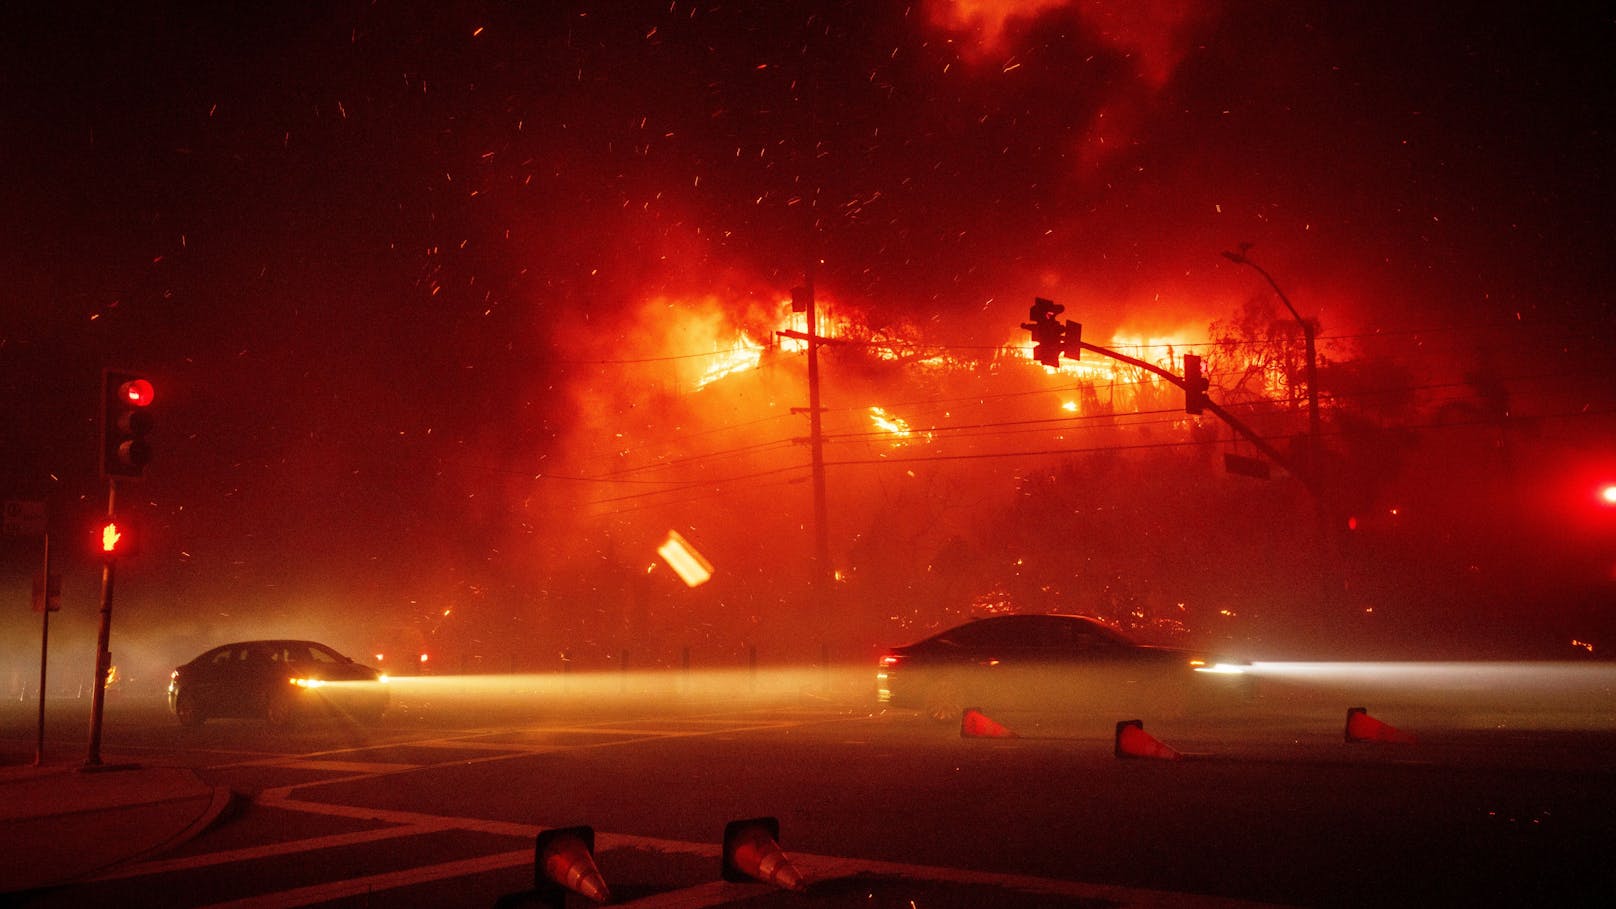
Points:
x=281 y=710
x=188 y=711
x=945 y=701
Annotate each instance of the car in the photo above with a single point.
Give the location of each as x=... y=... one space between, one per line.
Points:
x=1051 y=662
x=276 y=680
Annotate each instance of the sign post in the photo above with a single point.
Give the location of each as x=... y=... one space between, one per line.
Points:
x=44 y=651
x=26 y=518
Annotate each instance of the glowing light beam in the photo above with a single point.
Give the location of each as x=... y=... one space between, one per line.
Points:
x=685 y=561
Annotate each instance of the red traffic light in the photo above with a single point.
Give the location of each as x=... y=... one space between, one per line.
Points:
x=126 y=399
x=136 y=393
x=1607 y=494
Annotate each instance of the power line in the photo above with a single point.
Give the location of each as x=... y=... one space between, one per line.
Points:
x=974 y=430
x=1064 y=451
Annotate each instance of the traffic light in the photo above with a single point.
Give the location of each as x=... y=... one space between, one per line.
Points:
x=118 y=538
x=1072 y=340
x=124 y=423
x=1195 y=385
x=1046 y=330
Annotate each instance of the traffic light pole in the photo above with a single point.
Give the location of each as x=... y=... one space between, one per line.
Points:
x=1306 y=476
x=103 y=656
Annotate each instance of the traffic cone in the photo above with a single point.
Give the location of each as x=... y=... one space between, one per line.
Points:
x=1361 y=727
x=752 y=853
x=974 y=724
x=564 y=859
x=1134 y=742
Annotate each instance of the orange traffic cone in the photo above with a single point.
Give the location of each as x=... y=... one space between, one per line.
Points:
x=974 y=724
x=752 y=853
x=1361 y=727
x=1134 y=742
x=564 y=858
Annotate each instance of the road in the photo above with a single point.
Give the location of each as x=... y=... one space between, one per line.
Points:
x=438 y=804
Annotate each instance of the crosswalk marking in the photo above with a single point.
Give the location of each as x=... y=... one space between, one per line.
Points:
x=358 y=886
x=815 y=867
x=272 y=850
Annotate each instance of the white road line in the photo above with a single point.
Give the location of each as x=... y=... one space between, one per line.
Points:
x=814 y=867
x=457 y=745
x=272 y=850
x=293 y=762
x=335 y=890
x=280 y=798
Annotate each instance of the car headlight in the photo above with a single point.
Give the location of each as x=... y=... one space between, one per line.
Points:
x=1218 y=668
x=307 y=683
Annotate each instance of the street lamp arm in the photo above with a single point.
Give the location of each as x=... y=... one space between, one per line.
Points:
x=1240 y=258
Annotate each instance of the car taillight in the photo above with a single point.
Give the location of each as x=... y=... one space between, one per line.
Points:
x=307 y=683
x=890 y=660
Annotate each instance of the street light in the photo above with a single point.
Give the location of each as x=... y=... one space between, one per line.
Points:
x=1240 y=258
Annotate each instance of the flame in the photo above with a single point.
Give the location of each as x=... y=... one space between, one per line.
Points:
x=1256 y=378
x=747 y=354
x=894 y=424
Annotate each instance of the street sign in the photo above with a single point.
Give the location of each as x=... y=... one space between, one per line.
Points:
x=24 y=518
x=55 y=598
x=1245 y=467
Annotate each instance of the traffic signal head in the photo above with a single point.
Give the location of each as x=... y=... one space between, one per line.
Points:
x=1072 y=340
x=1048 y=336
x=117 y=539
x=124 y=423
x=1043 y=310
x=1195 y=385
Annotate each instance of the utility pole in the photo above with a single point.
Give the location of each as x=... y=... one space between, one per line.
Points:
x=802 y=300
x=816 y=444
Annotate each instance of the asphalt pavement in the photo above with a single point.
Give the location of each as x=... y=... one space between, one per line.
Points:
x=63 y=822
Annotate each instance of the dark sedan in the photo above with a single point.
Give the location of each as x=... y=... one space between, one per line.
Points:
x=276 y=680
x=1056 y=662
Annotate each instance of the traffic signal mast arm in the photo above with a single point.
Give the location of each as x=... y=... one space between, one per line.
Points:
x=1217 y=411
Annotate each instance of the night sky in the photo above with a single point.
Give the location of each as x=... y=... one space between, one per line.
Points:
x=423 y=288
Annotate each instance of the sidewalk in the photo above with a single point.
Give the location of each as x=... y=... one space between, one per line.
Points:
x=60 y=823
